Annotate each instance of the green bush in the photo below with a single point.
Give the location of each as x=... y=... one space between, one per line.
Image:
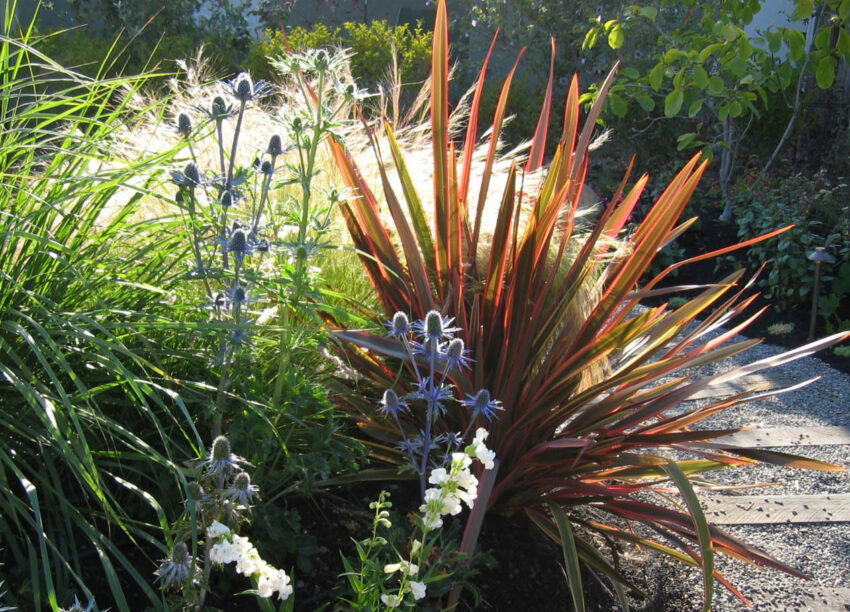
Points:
x=373 y=46
x=814 y=205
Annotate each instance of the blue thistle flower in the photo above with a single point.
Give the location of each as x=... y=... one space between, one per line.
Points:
x=435 y=327
x=239 y=244
x=175 y=570
x=189 y=178
x=242 y=491
x=221 y=460
x=399 y=327
x=436 y=396
x=391 y=404
x=75 y=607
x=481 y=403
x=456 y=355
x=184 y=125
x=244 y=89
x=275 y=147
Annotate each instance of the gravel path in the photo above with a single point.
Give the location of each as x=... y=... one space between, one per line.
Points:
x=821 y=550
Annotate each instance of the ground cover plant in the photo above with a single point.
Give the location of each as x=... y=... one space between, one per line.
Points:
x=590 y=385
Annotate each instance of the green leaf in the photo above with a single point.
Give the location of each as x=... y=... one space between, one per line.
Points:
x=571 y=564
x=630 y=73
x=716 y=86
x=618 y=105
x=700 y=77
x=656 y=76
x=774 y=40
x=735 y=109
x=844 y=10
x=825 y=72
x=730 y=32
x=796 y=42
x=673 y=103
x=685 y=140
x=803 y=9
x=650 y=12
x=590 y=38
x=616 y=37
x=842 y=46
x=701 y=526
x=695 y=107
x=646 y=102
x=609 y=25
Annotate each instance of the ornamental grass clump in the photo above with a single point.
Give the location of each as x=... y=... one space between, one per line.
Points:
x=581 y=455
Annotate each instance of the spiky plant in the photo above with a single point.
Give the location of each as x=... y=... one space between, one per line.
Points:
x=592 y=385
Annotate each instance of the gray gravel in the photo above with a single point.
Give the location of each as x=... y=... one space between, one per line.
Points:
x=821 y=550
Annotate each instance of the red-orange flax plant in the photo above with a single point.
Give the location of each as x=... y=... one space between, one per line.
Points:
x=593 y=386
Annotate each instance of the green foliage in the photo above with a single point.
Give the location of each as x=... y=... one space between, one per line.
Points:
x=417 y=566
x=92 y=431
x=374 y=47
x=814 y=205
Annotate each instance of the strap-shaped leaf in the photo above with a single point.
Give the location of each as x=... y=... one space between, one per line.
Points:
x=701 y=525
x=538 y=143
x=571 y=564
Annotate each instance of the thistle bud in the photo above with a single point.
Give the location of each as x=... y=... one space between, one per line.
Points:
x=401 y=325
x=390 y=403
x=244 y=88
x=221 y=449
x=434 y=325
x=455 y=349
x=218 y=108
x=193 y=177
x=195 y=491
x=225 y=199
x=275 y=147
x=267 y=168
x=184 y=124
x=238 y=243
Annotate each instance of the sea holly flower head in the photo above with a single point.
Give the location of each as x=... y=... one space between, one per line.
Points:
x=482 y=403
x=391 y=404
x=456 y=355
x=244 y=89
x=242 y=490
x=239 y=244
x=75 y=607
x=190 y=177
x=221 y=460
x=184 y=124
x=174 y=571
x=275 y=147
x=399 y=327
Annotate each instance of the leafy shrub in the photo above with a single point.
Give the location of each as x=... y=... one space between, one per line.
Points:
x=373 y=46
x=816 y=206
x=551 y=322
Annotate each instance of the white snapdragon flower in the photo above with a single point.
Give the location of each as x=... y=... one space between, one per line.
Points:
x=417 y=589
x=480 y=451
x=390 y=601
x=406 y=567
x=239 y=549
